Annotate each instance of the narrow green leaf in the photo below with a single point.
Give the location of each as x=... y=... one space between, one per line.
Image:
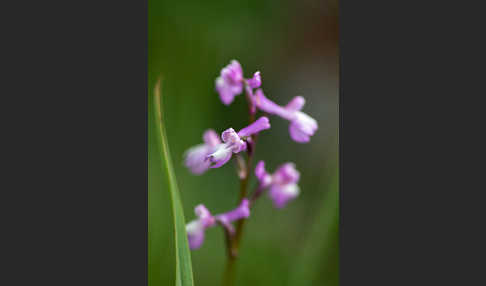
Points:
x=183 y=255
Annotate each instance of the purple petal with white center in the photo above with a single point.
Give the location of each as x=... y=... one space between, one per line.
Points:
x=282 y=194
x=230 y=136
x=204 y=215
x=220 y=156
x=302 y=127
x=286 y=174
x=232 y=73
x=195 y=159
x=233 y=140
x=223 y=152
x=227 y=91
x=196 y=228
x=195 y=234
x=230 y=82
x=297 y=135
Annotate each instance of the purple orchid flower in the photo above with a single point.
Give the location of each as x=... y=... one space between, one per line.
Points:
x=233 y=142
x=196 y=229
x=242 y=211
x=282 y=183
x=255 y=81
x=231 y=81
x=301 y=127
x=195 y=157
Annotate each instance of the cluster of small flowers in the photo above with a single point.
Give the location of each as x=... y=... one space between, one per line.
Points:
x=215 y=152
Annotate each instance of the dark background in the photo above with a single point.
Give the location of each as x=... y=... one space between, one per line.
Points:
x=295 y=46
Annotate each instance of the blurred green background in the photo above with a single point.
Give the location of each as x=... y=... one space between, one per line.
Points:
x=295 y=46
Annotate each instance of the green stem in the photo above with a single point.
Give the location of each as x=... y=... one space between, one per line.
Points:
x=233 y=243
x=229 y=272
x=243 y=193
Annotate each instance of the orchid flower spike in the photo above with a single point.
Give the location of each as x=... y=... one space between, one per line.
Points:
x=282 y=183
x=195 y=157
x=235 y=142
x=301 y=127
x=196 y=229
x=231 y=81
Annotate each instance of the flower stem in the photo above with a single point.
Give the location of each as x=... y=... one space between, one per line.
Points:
x=256 y=194
x=233 y=243
x=229 y=272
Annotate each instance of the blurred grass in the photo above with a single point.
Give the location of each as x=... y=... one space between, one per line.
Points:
x=317 y=256
x=294 y=45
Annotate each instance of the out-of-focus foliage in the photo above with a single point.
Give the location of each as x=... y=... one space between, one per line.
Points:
x=294 y=45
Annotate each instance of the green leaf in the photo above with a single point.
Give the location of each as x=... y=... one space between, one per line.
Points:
x=184 y=275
